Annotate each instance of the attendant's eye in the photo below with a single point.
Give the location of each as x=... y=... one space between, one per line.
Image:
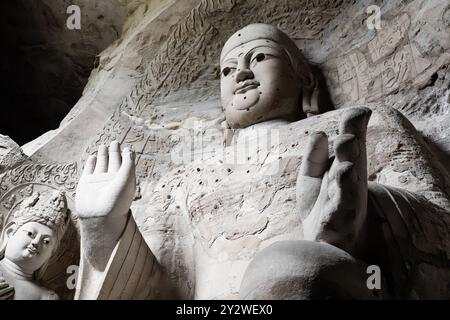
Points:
x=30 y=234
x=260 y=57
x=226 y=71
x=46 y=241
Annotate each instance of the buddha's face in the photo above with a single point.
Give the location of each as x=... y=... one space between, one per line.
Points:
x=30 y=246
x=258 y=83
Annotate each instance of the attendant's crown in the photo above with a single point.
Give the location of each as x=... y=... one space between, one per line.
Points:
x=47 y=208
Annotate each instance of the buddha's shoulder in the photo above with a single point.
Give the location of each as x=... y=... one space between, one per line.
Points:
x=382 y=118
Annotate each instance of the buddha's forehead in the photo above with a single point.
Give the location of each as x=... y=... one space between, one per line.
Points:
x=257 y=31
x=244 y=48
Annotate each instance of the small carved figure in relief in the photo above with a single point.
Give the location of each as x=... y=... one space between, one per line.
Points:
x=28 y=242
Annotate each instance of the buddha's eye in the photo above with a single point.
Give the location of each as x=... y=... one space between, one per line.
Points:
x=260 y=57
x=46 y=241
x=226 y=71
x=30 y=234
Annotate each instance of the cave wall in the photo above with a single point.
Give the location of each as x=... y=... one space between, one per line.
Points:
x=162 y=75
x=46 y=65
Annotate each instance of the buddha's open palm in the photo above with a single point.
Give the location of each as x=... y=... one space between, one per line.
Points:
x=107 y=184
x=332 y=198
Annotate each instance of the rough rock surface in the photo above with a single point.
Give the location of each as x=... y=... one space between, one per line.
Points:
x=157 y=89
x=11 y=155
x=47 y=65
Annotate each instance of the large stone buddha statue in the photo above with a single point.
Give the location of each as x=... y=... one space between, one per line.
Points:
x=330 y=195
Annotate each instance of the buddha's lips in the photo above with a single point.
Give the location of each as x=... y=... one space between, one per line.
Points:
x=243 y=87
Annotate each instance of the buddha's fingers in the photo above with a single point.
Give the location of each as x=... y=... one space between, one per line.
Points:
x=102 y=160
x=342 y=182
x=309 y=180
x=345 y=195
x=89 y=166
x=350 y=145
x=354 y=121
x=346 y=148
x=338 y=219
x=115 y=158
x=315 y=159
x=127 y=168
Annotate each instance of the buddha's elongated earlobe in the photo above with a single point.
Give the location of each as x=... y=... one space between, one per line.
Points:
x=310 y=100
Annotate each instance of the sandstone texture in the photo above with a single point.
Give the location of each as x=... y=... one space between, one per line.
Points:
x=157 y=89
x=11 y=154
x=47 y=64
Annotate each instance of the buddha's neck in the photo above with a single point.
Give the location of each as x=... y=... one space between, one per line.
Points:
x=15 y=271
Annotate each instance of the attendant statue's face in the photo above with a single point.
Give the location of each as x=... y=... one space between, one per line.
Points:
x=30 y=246
x=37 y=227
x=259 y=76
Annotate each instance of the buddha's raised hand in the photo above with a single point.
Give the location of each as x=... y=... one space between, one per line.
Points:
x=332 y=198
x=103 y=198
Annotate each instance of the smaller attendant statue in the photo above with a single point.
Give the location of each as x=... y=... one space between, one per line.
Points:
x=27 y=244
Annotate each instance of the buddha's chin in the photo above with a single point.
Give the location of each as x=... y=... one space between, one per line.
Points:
x=246 y=101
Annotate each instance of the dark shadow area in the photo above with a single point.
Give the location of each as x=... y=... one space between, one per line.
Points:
x=44 y=65
x=442 y=155
x=325 y=102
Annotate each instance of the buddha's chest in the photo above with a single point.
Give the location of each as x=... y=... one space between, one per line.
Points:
x=231 y=207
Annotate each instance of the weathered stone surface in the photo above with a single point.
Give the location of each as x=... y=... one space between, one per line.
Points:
x=157 y=89
x=47 y=64
x=11 y=154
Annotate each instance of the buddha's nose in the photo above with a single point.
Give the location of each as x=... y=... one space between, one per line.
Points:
x=244 y=74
